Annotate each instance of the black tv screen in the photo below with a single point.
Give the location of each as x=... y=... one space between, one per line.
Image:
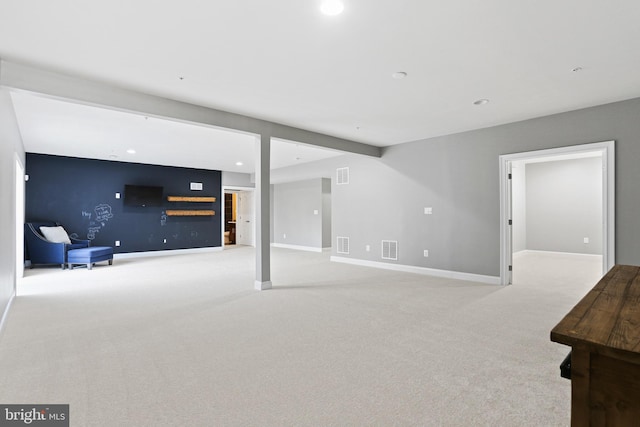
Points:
x=142 y=195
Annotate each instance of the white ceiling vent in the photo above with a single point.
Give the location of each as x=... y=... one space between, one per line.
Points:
x=342 y=176
x=343 y=245
x=390 y=249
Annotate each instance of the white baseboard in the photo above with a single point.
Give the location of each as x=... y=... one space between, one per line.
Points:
x=297 y=247
x=533 y=251
x=167 y=252
x=491 y=280
x=263 y=286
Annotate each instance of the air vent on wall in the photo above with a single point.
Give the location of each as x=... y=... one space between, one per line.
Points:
x=342 y=176
x=343 y=245
x=389 y=249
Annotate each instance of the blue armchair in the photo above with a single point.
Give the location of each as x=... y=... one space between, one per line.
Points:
x=42 y=251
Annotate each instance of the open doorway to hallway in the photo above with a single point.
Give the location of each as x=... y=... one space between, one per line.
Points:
x=557 y=216
x=557 y=201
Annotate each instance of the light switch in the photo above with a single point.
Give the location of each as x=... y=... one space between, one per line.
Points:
x=117 y=195
x=117 y=242
x=315 y=212
x=428 y=211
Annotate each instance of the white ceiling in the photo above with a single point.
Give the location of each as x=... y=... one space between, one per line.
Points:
x=51 y=126
x=285 y=62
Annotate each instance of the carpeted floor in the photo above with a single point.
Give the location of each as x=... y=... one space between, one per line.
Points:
x=186 y=340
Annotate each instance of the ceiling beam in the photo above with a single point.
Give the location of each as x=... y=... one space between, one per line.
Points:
x=74 y=89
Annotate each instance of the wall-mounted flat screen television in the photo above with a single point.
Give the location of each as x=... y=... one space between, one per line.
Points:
x=142 y=195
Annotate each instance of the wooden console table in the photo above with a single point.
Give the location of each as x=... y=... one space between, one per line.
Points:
x=603 y=330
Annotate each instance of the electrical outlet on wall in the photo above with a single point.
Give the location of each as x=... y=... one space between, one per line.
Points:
x=426 y=253
x=428 y=211
x=585 y=240
x=284 y=236
x=367 y=248
x=117 y=242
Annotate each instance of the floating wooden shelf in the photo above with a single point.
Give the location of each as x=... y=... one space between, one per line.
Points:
x=191 y=199
x=190 y=212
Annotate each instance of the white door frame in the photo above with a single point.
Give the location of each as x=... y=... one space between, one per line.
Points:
x=19 y=212
x=232 y=189
x=607 y=149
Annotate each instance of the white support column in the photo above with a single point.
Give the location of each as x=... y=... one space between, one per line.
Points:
x=263 y=219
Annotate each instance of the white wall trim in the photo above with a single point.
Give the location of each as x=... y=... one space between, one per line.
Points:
x=491 y=280
x=297 y=247
x=6 y=313
x=167 y=252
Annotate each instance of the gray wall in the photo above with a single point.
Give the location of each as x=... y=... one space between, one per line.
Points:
x=237 y=179
x=294 y=204
x=458 y=176
x=10 y=147
x=564 y=205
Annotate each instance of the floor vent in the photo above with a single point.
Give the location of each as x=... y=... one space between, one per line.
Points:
x=390 y=249
x=342 y=176
x=343 y=245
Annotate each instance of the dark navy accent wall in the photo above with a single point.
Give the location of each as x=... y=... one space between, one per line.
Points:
x=80 y=194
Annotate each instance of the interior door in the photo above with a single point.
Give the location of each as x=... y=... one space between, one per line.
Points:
x=245 y=234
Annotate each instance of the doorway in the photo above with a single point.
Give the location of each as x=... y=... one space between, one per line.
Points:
x=511 y=237
x=238 y=223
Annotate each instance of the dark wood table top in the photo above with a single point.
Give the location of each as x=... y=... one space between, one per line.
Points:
x=608 y=317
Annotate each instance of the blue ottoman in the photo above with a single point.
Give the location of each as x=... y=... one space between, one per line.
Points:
x=90 y=256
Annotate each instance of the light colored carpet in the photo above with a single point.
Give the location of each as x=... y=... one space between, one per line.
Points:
x=185 y=340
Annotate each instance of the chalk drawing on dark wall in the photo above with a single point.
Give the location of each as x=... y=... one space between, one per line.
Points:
x=103 y=214
x=91 y=232
x=163 y=219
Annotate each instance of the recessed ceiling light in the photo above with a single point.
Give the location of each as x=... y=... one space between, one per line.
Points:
x=131 y=151
x=482 y=101
x=331 y=7
x=399 y=75
x=239 y=163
